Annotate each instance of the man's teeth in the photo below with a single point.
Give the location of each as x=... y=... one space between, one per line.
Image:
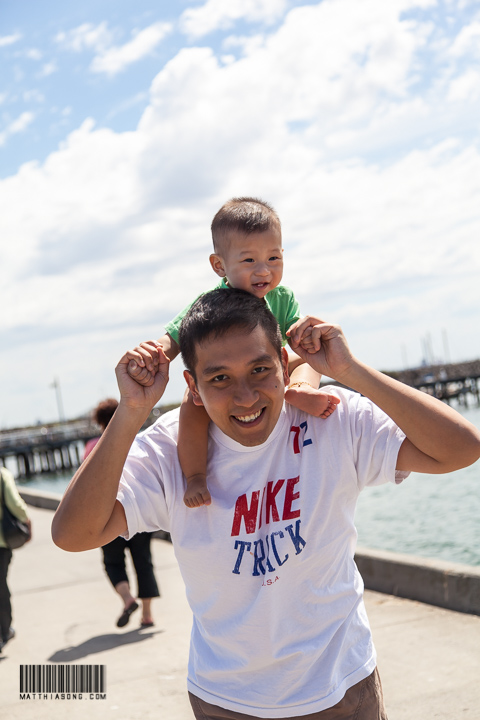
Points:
x=248 y=418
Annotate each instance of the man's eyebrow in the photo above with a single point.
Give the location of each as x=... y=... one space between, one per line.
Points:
x=217 y=369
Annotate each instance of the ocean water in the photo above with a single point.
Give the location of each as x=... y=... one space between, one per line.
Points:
x=434 y=516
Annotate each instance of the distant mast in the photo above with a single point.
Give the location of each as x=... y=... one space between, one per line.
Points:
x=56 y=385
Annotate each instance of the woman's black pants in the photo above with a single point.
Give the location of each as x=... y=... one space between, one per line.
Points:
x=114 y=561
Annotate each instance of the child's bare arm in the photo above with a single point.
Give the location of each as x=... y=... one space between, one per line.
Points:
x=303 y=391
x=192 y=451
x=144 y=373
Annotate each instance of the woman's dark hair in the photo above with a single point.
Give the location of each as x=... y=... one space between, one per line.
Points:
x=104 y=412
x=217 y=312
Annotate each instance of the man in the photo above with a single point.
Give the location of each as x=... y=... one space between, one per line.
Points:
x=279 y=625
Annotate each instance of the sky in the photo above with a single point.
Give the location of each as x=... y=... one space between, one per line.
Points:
x=125 y=126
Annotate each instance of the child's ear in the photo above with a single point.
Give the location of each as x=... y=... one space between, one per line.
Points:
x=217 y=264
x=192 y=386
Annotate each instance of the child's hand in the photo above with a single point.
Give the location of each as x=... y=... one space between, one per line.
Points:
x=134 y=394
x=307 y=341
x=314 y=402
x=301 y=335
x=143 y=369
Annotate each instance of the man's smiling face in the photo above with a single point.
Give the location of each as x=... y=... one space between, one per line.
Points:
x=240 y=381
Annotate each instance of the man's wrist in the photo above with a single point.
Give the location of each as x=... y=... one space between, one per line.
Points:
x=131 y=415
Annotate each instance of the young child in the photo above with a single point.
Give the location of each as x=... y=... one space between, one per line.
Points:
x=247 y=255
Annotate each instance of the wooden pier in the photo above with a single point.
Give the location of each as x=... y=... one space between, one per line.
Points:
x=60 y=446
x=54 y=447
x=47 y=449
x=458 y=381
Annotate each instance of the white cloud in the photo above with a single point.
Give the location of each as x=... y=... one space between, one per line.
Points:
x=217 y=14
x=33 y=96
x=7 y=40
x=113 y=60
x=16 y=126
x=115 y=239
x=48 y=69
x=465 y=86
x=86 y=37
x=34 y=54
x=21 y=123
x=467 y=41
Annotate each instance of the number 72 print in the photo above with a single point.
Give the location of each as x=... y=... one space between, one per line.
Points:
x=297 y=429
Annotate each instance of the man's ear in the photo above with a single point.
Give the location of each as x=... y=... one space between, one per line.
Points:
x=217 y=264
x=192 y=386
x=286 y=376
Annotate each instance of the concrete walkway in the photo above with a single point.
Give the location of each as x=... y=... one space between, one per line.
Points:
x=65 y=612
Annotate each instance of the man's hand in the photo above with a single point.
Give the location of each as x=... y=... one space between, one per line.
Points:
x=322 y=345
x=149 y=356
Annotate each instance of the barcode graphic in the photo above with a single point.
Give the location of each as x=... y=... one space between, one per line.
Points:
x=63 y=678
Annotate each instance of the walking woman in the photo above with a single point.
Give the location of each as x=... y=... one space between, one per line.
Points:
x=139 y=547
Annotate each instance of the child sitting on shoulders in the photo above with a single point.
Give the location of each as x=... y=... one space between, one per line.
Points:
x=248 y=255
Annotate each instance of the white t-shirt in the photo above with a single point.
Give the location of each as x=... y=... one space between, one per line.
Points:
x=279 y=624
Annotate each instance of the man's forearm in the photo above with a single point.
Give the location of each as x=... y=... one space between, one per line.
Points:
x=83 y=517
x=438 y=439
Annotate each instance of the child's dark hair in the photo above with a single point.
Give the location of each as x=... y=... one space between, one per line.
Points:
x=217 y=312
x=244 y=214
x=104 y=411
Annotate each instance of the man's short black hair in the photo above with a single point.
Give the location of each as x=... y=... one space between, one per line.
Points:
x=217 y=312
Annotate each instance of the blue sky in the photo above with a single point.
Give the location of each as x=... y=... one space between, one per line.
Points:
x=124 y=126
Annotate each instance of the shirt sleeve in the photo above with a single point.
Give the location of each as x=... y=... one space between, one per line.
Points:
x=173 y=326
x=89 y=445
x=142 y=494
x=376 y=441
x=13 y=499
x=151 y=478
x=292 y=311
x=283 y=304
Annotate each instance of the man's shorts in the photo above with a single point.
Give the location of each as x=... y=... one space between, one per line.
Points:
x=363 y=701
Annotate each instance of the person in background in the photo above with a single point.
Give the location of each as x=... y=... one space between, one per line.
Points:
x=139 y=546
x=16 y=506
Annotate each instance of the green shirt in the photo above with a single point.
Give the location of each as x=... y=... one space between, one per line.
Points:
x=281 y=302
